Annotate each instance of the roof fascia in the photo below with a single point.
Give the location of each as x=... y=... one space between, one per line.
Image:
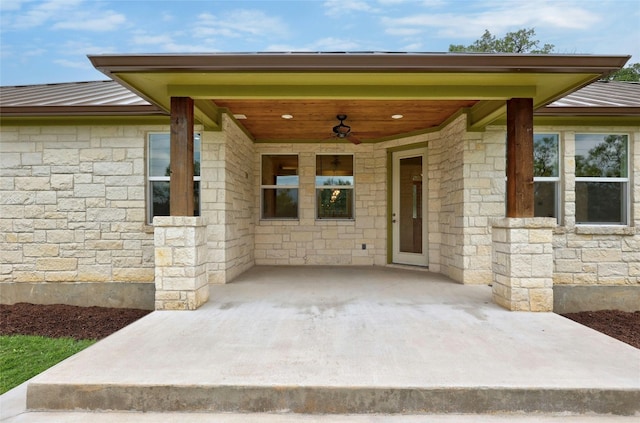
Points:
x=50 y=120
x=16 y=111
x=589 y=111
x=585 y=120
x=377 y=62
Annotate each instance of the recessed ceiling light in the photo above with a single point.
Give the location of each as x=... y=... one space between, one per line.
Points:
x=397 y=116
x=287 y=116
x=240 y=117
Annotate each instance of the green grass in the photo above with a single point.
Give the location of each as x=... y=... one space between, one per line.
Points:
x=22 y=357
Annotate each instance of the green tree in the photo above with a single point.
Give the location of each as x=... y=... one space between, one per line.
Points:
x=608 y=159
x=629 y=73
x=521 y=41
x=545 y=157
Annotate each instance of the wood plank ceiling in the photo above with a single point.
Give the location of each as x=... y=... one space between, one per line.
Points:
x=313 y=120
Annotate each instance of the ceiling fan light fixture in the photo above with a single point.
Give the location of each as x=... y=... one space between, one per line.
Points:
x=341 y=130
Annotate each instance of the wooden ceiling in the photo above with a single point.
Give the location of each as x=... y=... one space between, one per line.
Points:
x=313 y=120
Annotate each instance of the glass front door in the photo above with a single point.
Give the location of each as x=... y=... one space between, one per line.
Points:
x=408 y=217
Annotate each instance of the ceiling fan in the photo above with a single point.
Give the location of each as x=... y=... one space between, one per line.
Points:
x=344 y=131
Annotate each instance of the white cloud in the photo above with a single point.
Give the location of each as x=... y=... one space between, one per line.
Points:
x=107 y=21
x=285 y=48
x=498 y=18
x=338 y=8
x=323 y=44
x=166 y=43
x=240 y=23
x=7 y=5
x=167 y=17
x=145 y=39
x=75 y=47
x=34 y=52
x=403 y=31
x=61 y=14
x=75 y=64
x=42 y=12
x=335 y=44
x=189 y=48
x=413 y=47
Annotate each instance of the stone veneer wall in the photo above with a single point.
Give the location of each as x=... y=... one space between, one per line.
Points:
x=484 y=200
x=459 y=209
x=446 y=195
x=239 y=200
x=180 y=262
x=228 y=201
x=523 y=263
x=72 y=211
x=596 y=255
x=466 y=191
x=212 y=201
x=337 y=242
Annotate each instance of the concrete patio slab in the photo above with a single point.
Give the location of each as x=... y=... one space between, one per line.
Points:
x=348 y=340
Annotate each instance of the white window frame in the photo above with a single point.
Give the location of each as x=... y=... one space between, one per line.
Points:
x=263 y=187
x=555 y=179
x=626 y=208
x=150 y=179
x=339 y=187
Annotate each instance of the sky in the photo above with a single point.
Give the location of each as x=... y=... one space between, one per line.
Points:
x=47 y=41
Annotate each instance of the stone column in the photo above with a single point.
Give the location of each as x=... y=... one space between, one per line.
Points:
x=523 y=263
x=180 y=261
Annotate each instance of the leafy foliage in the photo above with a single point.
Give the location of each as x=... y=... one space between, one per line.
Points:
x=520 y=41
x=630 y=73
x=608 y=159
x=545 y=157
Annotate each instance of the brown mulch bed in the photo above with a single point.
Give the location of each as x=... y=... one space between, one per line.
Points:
x=624 y=326
x=98 y=322
x=64 y=321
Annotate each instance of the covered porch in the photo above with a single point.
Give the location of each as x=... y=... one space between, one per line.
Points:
x=477 y=229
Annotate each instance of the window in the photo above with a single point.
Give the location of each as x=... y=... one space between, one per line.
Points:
x=279 y=185
x=546 y=175
x=601 y=179
x=158 y=174
x=334 y=186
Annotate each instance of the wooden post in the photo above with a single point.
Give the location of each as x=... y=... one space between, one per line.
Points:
x=520 y=201
x=181 y=183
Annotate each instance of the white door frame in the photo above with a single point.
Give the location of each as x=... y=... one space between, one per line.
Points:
x=399 y=257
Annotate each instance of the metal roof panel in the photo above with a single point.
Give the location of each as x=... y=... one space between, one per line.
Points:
x=94 y=93
x=602 y=94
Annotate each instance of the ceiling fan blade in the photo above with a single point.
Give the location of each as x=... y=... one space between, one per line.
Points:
x=354 y=140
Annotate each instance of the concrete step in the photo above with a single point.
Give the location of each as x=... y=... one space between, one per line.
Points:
x=330 y=400
x=13 y=410
x=118 y=417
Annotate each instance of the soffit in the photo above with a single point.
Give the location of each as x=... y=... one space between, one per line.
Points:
x=315 y=98
x=313 y=120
